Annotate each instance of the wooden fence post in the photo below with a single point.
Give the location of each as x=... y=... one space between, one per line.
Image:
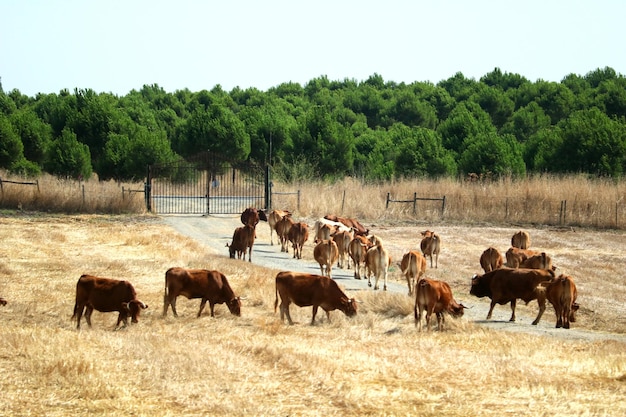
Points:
x=443 y=205
x=387 y=204
x=414 y=203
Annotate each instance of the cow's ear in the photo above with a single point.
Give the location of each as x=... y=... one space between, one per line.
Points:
x=125 y=306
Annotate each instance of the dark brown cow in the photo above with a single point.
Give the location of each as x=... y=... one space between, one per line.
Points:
x=282 y=230
x=274 y=217
x=491 y=259
x=106 y=295
x=326 y=254
x=251 y=216
x=211 y=286
x=243 y=240
x=435 y=297
x=521 y=240
x=413 y=266
x=298 y=235
x=431 y=246
x=3 y=301
x=354 y=224
x=562 y=295
x=507 y=285
x=311 y=290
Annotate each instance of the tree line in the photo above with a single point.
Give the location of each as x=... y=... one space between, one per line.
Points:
x=501 y=124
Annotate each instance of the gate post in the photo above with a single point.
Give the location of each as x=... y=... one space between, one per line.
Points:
x=147 y=189
x=268 y=189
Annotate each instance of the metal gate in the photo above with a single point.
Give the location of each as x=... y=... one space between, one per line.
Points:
x=206 y=184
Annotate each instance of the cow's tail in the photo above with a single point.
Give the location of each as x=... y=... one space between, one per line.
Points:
x=276 y=300
x=75 y=315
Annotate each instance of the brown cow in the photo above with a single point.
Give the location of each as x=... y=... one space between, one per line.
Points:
x=243 y=240
x=343 y=239
x=211 y=286
x=507 y=285
x=435 y=297
x=324 y=229
x=377 y=261
x=491 y=259
x=540 y=261
x=515 y=256
x=298 y=235
x=562 y=295
x=354 y=224
x=358 y=252
x=431 y=245
x=326 y=254
x=282 y=231
x=413 y=266
x=274 y=217
x=251 y=216
x=106 y=295
x=521 y=240
x=311 y=290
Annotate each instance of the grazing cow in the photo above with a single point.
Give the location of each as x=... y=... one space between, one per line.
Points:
x=515 y=256
x=311 y=290
x=282 y=230
x=540 y=261
x=298 y=235
x=343 y=239
x=507 y=285
x=3 y=301
x=562 y=295
x=413 y=266
x=326 y=254
x=521 y=240
x=358 y=252
x=274 y=217
x=431 y=245
x=377 y=261
x=491 y=259
x=106 y=295
x=251 y=216
x=354 y=224
x=211 y=286
x=435 y=297
x=243 y=240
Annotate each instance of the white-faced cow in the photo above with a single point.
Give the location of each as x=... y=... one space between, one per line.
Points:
x=298 y=235
x=434 y=297
x=491 y=259
x=377 y=261
x=354 y=224
x=274 y=217
x=211 y=286
x=506 y=285
x=431 y=246
x=521 y=240
x=243 y=241
x=311 y=290
x=326 y=254
x=413 y=266
x=562 y=295
x=106 y=295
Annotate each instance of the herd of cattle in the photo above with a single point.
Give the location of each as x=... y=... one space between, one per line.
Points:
x=527 y=275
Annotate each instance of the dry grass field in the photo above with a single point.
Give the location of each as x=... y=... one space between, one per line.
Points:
x=374 y=364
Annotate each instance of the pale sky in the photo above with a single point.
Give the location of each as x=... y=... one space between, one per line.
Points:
x=120 y=45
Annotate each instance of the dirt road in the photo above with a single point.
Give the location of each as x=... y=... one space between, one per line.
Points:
x=216 y=230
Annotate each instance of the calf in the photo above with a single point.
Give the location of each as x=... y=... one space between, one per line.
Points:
x=311 y=290
x=413 y=266
x=562 y=295
x=491 y=259
x=377 y=261
x=507 y=285
x=106 y=295
x=211 y=286
x=274 y=217
x=521 y=240
x=282 y=230
x=435 y=297
x=326 y=254
x=431 y=246
x=343 y=239
x=243 y=240
x=298 y=235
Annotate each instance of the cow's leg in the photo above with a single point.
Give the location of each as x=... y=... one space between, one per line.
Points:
x=385 y=280
x=409 y=283
x=441 y=319
x=329 y=269
x=88 y=311
x=78 y=312
x=314 y=314
x=436 y=260
x=250 y=254
x=542 y=307
x=493 y=304
x=202 y=304
x=513 y=305
x=166 y=304
x=429 y=313
x=173 y=304
x=212 y=308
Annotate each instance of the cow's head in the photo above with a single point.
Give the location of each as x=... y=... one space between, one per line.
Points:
x=231 y=251
x=234 y=306
x=479 y=287
x=349 y=307
x=133 y=308
x=456 y=309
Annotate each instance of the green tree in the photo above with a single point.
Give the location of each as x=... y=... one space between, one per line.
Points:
x=495 y=103
x=466 y=120
x=36 y=135
x=407 y=108
x=492 y=153
x=67 y=157
x=421 y=153
x=11 y=147
x=375 y=155
x=526 y=121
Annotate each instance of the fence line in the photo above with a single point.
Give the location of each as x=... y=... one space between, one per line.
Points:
x=273 y=193
x=17 y=182
x=415 y=199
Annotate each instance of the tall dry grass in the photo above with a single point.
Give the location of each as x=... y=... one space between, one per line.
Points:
x=374 y=364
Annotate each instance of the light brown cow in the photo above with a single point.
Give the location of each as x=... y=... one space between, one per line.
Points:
x=274 y=217
x=435 y=297
x=326 y=254
x=515 y=256
x=282 y=230
x=358 y=252
x=343 y=239
x=311 y=290
x=413 y=266
x=377 y=261
x=333 y=227
x=562 y=295
x=243 y=241
x=491 y=259
x=431 y=246
x=521 y=240
x=540 y=261
x=298 y=235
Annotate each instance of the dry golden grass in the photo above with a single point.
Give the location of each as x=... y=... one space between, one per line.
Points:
x=374 y=364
